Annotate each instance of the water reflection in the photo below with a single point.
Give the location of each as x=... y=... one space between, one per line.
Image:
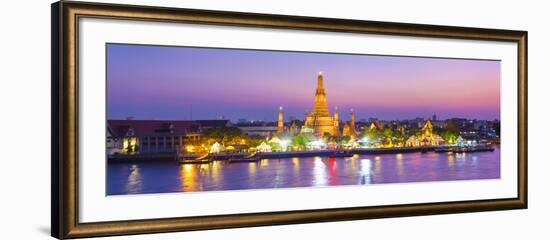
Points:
x=319 y=172
x=215 y=171
x=251 y=169
x=126 y=178
x=365 y=172
x=399 y=164
x=134 y=180
x=296 y=164
x=378 y=167
x=187 y=178
x=451 y=161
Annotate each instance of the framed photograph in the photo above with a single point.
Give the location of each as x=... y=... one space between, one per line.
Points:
x=168 y=119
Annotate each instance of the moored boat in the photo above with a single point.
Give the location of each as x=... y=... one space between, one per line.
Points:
x=443 y=149
x=250 y=158
x=466 y=149
x=199 y=160
x=474 y=149
x=341 y=153
x=195 y=161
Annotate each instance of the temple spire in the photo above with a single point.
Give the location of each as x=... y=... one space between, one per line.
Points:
x=280 y=121
x=353 y=133
x=320 y=87
x=336 y=120
x=320 y=118
x=320 y=106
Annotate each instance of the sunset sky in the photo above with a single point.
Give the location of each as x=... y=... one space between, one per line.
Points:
x=159 y=82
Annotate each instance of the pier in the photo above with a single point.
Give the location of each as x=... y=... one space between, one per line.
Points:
x=143 y=157
x=257 y=156
x=248 y=157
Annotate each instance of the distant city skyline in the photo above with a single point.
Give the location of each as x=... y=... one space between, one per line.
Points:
x=178 y=83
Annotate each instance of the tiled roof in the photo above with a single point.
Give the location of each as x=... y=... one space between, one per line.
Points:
x=143 y=128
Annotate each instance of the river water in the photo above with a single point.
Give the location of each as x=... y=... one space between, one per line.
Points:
x=164 y=177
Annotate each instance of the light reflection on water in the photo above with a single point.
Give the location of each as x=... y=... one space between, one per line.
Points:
x=366 y=170
x=319 y=172
x=132 y=178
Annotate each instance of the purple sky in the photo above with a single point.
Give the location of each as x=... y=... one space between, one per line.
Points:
x=159 y=82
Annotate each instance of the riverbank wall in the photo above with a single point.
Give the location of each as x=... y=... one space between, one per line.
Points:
x=265 y=155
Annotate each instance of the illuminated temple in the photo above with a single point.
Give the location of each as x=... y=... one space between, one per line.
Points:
x=319 y=121
x=425 y=137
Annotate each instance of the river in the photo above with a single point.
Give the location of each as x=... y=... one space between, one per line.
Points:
x=164 y=177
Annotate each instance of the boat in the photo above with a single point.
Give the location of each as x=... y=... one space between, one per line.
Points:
x=238 y=160
x=195 y=161
x=200 y=160
x=443 y=149
x=465 y=149
x=254 y=157
x=474 y=149
x=341 y=153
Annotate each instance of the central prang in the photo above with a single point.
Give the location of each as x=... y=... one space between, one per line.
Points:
x=319 y=120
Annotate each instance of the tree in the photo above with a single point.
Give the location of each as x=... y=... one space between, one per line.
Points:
x=327 y=137
x=299 y=141
x=399 y=138
x=224 y=135
x=275 y=146
x=255 y=140
x=388 y=135
x=373 y=135
x=451 y=132
x=345 y=139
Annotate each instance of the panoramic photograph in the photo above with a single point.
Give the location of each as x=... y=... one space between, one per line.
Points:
x=195 y=119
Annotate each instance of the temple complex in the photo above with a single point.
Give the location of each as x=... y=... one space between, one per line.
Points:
x=319 y=119
x=425 y=137
x=427 y=130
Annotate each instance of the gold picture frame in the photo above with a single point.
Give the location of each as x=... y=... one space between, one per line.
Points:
x=65 y=124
